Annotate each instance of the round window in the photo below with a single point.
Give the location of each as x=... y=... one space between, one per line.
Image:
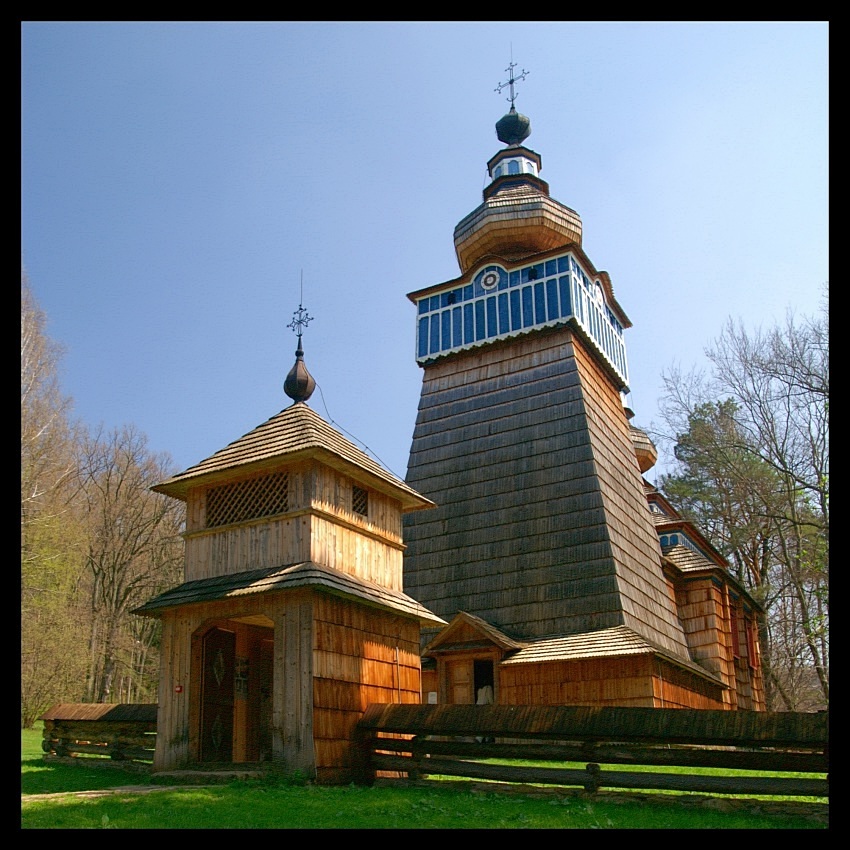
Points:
x=490 y=279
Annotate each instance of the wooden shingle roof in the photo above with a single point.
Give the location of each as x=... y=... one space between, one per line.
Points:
x=619 y=640
x=686 y=559
x=119 y=712
x=604 y=643
x=295 y=433
x=287 y=577
x=448 y=640
x=688 y=562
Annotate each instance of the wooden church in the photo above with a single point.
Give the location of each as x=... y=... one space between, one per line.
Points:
x=525 y=559
x=292 y=618
x=566 y=578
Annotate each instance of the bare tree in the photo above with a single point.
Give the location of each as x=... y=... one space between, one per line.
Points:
x=95 y=542
x=46 y=435
x=754 y=434
x=133 y=551
x=50 y=623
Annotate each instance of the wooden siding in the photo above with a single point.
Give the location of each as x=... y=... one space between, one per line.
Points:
x=674 y=687
x=701 y=610
x=332 y=658
x=320 y=525
x=647 y=607
x=249 y=546
x=641 y=681
x=361 y=656
x=175 y=691
x=332 y=494
x=354 y=552
x=542 y=525
x=292 y=713
x=704 y=606
x=625 y=682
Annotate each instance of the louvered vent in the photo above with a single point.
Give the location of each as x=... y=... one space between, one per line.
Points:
x=251 y=499
x=360 y=501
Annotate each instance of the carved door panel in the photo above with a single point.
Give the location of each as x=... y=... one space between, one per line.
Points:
x=217 y=692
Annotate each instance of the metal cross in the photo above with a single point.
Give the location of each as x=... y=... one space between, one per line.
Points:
x=511 y=80
x=300 y=320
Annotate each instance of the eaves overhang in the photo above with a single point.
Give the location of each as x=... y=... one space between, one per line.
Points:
x=306 y=574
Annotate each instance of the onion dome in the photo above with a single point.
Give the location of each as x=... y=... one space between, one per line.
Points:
x=518 y=217
x=299 y=383
x=513 y=128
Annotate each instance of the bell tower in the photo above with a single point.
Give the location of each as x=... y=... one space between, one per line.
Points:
x=541 y=528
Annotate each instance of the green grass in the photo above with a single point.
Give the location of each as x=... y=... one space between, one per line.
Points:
x=276 y=804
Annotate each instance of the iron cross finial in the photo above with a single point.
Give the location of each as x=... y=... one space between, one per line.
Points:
x=511 y=80
x=300 y=320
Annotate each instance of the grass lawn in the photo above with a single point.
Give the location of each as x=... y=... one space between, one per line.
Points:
x=275 y=804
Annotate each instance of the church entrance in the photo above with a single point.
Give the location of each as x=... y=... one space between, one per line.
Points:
x=483 y=682
x=236 y=667
x=469 y=681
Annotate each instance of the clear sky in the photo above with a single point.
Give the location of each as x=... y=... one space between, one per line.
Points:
x=180 y=179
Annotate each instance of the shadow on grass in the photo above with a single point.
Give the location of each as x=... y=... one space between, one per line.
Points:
x=43 y=777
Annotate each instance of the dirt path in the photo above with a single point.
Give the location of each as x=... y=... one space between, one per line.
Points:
x=105 y=792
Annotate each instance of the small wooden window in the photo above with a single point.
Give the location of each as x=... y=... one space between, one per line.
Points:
x=250 y=499
x=360 y=501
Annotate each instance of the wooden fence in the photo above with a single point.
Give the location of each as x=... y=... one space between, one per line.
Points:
x=415 y=741
x=122 y=732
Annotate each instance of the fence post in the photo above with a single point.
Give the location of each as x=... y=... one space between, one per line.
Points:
x=417 y=753
x=362 y=770
x=594 y=778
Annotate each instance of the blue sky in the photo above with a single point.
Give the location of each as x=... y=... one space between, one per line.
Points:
x=181 y=179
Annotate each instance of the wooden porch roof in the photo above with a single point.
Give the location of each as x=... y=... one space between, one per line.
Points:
x=449 y=638
x=272 y=579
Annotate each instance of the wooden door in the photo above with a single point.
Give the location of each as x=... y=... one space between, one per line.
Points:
x=459 y=682
x=260 y=691
x=217 y=693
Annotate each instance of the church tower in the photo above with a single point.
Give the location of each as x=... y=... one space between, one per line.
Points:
x=542 y=550
x=291 y=617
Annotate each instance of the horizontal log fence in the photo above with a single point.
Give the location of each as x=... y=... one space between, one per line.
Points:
x=120 y=732
x=416 y=741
